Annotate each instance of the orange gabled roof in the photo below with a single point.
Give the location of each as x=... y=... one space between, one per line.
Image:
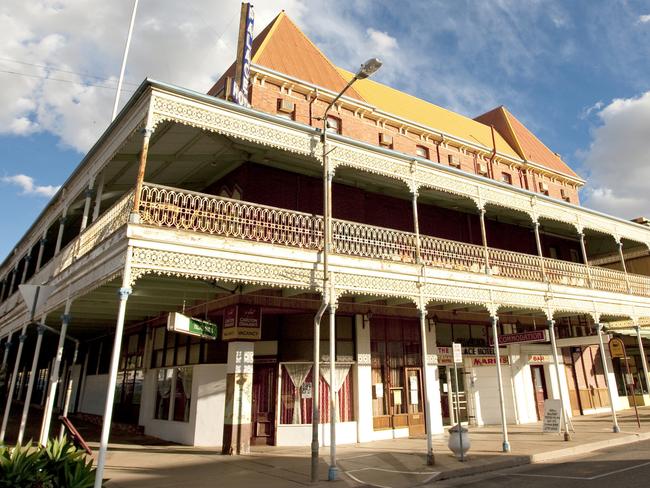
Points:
x=283 y=47
x=288 y=50
x=529 y=147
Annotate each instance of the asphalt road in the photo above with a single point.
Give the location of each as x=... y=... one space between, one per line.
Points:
x=617 y=467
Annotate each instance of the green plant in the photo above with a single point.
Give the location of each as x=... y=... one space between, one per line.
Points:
x=23 y=467
x=59 y=465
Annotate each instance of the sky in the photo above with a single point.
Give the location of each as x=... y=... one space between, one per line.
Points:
x=576 y=73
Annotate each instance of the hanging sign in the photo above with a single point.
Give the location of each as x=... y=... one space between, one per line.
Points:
x=241 y=80
x=242 y=322
x=552 y=416
x=617 y=348
x=522 y=337
x=177 y=322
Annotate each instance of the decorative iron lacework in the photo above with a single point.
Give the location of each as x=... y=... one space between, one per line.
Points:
x=220 y=120
x=216 y=119
x=183 y=265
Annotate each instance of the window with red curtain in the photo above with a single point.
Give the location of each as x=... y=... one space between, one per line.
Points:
x=289 y=392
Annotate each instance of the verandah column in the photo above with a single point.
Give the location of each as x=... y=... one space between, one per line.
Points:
x=484 y=240
x=26 y=261
x=585 y=259
x=620 y=254
x=54 y=375
x=603 y=358
x=237 y=423
x=123 y=293
x=540 y=253
x=89 y=196
x=12 y=385
x=59 y=237
x=7 y=348
x=30 y=385
x=556 y=362
x=494 y=319
x=41 y=249
x=644 y=362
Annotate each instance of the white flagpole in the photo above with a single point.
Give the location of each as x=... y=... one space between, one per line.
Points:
x=126 y=55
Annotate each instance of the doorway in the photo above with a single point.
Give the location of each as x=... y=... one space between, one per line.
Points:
x=263 y=407
x=450 y=396
x=539 y=387
x=414 y=401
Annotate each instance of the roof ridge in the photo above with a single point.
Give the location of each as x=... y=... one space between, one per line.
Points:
x=519 y=148
x=273 y=26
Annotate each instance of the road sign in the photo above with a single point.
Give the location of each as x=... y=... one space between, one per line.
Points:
x=457 y=352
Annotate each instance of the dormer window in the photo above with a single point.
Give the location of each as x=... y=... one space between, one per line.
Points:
x=543 y=187
x=482 y=169
x=506 y=178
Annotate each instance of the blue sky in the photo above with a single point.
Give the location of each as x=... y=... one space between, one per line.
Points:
x=576 y=73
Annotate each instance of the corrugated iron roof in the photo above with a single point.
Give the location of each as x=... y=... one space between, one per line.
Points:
x=528 y=146
x=427 y=114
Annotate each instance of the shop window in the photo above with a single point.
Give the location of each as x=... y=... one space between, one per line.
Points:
x=296 y=392
x=173 y=394
x=296 y=338
x=333 y=124
x=422 y=151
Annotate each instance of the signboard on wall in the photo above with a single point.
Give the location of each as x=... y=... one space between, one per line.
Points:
x=177 y=322
x=617 y=348
x=242 y=322
x=523 y=337
x=488 y=361
x=540 y=358
x=552 y=416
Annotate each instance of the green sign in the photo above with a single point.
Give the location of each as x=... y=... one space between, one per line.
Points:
x=178 y=322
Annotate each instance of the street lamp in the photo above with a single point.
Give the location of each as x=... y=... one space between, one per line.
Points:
x=366 y=70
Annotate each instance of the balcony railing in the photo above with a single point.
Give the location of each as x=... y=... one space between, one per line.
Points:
x=181 y=209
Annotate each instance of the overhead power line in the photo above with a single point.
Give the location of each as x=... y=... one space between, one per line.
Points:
x=51 y=68
x=49 y=78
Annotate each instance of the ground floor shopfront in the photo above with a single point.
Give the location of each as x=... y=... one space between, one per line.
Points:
x=177 y=387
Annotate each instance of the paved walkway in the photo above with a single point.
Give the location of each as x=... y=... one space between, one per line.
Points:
x=387 y=464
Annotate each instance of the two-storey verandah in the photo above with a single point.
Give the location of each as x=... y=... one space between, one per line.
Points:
x=177 y=247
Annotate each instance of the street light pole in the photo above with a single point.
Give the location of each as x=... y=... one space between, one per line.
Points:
x=367 y=69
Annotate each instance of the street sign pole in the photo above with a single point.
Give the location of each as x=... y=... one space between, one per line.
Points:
x=458 y=358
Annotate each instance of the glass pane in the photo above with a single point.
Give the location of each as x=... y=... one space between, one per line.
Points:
x=163 y=391
x=183 y=394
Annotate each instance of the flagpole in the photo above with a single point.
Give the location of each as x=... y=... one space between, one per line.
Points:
x=126 y=55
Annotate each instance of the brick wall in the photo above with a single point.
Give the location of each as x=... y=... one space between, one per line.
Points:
x=265 y=96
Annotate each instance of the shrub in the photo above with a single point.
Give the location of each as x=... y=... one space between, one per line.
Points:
x=59 y=465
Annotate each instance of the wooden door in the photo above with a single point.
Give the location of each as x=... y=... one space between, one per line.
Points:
x=263 y=408
x=569 y=370
x=415 y=399
x=539 y=385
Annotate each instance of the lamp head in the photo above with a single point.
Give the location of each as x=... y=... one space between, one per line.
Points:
x=368 y=68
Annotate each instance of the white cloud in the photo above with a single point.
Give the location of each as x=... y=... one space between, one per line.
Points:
x=27 y=186
x=383 y=41
x=185 y=43
x=644 y=18
x=618 y=159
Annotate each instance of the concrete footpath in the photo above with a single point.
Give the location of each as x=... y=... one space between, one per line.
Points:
x=396 y=463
